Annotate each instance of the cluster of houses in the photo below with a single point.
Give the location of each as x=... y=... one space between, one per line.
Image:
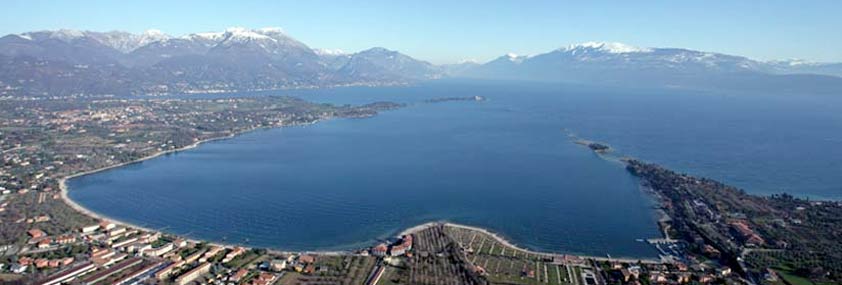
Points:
x=44 y=262
x=674 y=273
x=125 y=256
x=119 y=255
x=39 y=240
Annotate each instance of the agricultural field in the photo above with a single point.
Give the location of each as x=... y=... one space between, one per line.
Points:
x=439 y=259
x=339 y=270
x=505 y=264
x=452 y=254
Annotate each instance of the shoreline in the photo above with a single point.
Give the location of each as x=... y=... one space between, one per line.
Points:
x=65 y=190
x=508 y=243
x=64 y=193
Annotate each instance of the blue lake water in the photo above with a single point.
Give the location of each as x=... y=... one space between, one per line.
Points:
x=505 y=163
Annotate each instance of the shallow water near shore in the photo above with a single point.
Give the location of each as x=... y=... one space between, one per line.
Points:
x=505 y=163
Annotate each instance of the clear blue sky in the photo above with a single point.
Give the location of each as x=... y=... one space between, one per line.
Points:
x=449 y=31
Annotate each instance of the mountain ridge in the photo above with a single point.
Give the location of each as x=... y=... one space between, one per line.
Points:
x=71 y=62
x=617 y=64
x=60 y=63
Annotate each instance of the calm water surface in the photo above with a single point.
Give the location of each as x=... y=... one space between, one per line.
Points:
x=505 y=163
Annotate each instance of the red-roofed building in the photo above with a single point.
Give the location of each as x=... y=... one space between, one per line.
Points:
x=403 y=247
x=99 y=252
x=42 y=263
x=307 y=259
x=36 y=233
x=741 y=228
x=379 y=250
x=67 y=261
x=65 y=239
x=398 y=250
x=25 y=261
x=55 y=263
x=265 y=278
x=755 y=240
x=238 y=275
x=746 y=234
x=233 y=254
x=44 y=243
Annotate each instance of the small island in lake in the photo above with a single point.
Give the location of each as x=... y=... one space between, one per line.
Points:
x=447 y=99
x=594 y=146
x=598 y=147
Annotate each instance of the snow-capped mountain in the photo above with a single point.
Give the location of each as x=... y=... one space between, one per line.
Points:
x=121 y=41
x=513 y=58
x=128 y=42
x=269 y=40
x=57 y=62
x=155 y=52
x=605 y=63
x=617 y=55
x=603 y=47
x=65 y=35
x=329 y=52
x=66 y=62
x=602 y=55
x=65 y=45
x=266 y=43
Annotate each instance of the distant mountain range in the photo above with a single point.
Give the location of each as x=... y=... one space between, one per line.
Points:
x=70 y=62
x=623 y=65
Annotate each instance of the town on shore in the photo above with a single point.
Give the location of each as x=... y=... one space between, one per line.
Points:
x=713 y=233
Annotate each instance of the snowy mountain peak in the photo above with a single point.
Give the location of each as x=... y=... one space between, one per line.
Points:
x=513 y=57
x=153 y=33
x=212 y=36
x=150 y=36
x=128 y=42
x=329 y=52
x=608 y=47
x=67 y=34
x=244 y=34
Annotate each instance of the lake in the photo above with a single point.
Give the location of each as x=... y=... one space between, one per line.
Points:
x=506 y=163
